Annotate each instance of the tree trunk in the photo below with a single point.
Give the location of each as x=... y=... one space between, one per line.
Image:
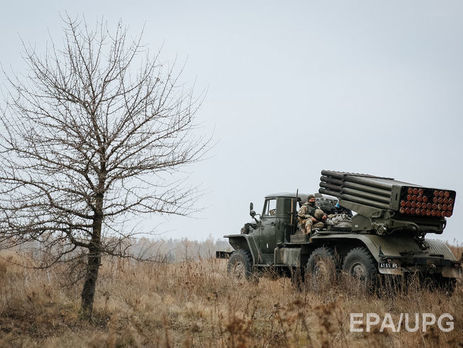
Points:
x=93 y=265
x=88 y=292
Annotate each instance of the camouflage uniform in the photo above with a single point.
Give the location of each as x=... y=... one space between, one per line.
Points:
x=306 y=213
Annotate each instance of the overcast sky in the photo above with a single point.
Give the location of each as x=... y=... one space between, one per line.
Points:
x=294 y=87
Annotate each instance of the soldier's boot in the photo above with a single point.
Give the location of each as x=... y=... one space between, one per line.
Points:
x=308 y=230
x=308 y=226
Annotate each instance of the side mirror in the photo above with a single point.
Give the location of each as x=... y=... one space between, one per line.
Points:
x=252 y=212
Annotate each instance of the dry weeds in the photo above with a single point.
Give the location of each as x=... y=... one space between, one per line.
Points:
x=195 y=304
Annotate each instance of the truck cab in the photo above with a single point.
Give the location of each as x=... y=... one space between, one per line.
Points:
x=277 y=222
x=276 y=227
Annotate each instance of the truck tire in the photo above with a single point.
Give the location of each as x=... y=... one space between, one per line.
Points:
x=321 y=269
x=297 y=278
x=240 y=264
x=444 y=285
x=360 y=265
x=447 y=286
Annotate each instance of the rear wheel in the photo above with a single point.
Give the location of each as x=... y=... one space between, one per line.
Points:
x=447 y=285
x=240 y=264
x=360 y=265
x=438 y=283
x=297 y=278
x=321 y=269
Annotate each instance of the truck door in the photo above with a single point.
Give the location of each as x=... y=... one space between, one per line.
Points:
x=286 y=222
x=268 y=229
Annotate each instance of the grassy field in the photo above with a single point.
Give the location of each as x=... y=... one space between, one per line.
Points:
x=195 y=304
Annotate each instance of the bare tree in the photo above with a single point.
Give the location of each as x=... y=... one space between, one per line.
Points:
x=90 y=136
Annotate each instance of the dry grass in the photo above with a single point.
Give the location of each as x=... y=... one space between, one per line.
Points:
x=196 y=304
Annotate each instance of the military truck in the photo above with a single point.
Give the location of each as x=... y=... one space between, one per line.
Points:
x=385 y=239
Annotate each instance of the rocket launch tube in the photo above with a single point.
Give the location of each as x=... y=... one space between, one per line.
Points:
x=370 y=182
x=330 y=186
x=331 y=180
x=336 y=175
x=370 y=189
x=366 y=195
x=329 y=192
x=365 y=201
x=340 y=178
x=355 y=199
x=360 y=187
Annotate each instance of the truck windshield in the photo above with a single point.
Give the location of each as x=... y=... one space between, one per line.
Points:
x=270 y=207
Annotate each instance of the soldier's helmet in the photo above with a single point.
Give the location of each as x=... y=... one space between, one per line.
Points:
x=318 y=214
x=309 y=197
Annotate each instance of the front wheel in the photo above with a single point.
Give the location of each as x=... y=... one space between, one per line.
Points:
x=321 y=269
x=360 y=265
x=240 y=264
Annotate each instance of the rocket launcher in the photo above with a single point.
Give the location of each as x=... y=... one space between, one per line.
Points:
x=386 y=205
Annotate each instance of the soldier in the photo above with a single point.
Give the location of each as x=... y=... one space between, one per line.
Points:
x=311 y=216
